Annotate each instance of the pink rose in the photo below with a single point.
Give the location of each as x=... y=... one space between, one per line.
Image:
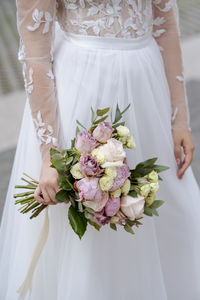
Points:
x=88 y=165
x=88 y=189
x=99 y=218
x=123 y=173
x=103 y=131
x=112 y=206
x=84 y=142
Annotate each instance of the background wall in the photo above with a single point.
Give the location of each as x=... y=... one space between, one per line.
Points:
x=12 y=96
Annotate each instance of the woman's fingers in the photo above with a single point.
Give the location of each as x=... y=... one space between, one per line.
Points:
x=177 y=149
x=37 y=195
x=188 y=148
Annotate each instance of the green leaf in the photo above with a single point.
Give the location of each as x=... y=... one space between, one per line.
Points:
x=58 y=162
x=92 y=118
x=118 y=124
x=117 y=114
x=65 y=183
x=157 y=203
x=155 y=212
x=88 y=215
x=125 y=109
x=133 y=193
x=128 y=228
x=77 y=221
x=101 y=112
x=148 y=211
x=62 y=196
x=160 y=168
x=53 y=151
x=69 y=160
x=113 y=226
x=95 y=225
x=101 y=120
x=77 y=121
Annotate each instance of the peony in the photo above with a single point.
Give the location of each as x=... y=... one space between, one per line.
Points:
x=106 y=182
x=130 y=143
x=84 y=142
x=88 y=189
x=112 y=206
x=116 y=193
x=145 y=189
x=88 y=165
x=153 y=176
x=76 y=172
x=123 y=131
x=126 y=187
x=150 y=199
x=97 y=206
x=154 y=186
x=132 y=207
x=122 y=174
x=103 y=131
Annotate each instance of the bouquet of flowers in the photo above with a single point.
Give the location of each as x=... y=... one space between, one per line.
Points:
x=95 y=179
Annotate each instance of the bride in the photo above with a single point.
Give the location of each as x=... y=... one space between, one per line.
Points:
x=110 y=51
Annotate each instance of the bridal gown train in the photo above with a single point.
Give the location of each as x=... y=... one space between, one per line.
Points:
x=108 y=52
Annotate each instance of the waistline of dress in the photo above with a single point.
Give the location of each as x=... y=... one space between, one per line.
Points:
x=105 y=42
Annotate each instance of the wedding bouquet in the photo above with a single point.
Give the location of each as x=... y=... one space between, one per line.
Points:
x=95 y=179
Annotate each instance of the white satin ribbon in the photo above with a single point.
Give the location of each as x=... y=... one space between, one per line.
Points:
x=27 y=284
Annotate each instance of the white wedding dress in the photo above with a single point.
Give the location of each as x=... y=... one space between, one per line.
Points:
x=108 y=52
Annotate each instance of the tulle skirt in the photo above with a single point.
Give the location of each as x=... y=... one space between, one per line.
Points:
x=161 y=261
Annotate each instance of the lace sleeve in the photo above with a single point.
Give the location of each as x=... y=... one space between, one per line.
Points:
x=36 y=25
x=167 y=35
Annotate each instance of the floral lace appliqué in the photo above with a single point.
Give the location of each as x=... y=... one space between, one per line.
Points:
x=44 y=133
x=37 y=18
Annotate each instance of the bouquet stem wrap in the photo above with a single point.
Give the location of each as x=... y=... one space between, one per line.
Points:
x=27 y=284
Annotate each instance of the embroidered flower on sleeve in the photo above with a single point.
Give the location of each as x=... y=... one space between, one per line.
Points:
x=44 y=133
x=40 y=17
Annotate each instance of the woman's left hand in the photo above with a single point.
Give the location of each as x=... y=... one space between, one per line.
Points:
x=183 y=138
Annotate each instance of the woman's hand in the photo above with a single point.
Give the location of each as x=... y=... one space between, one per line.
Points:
x=48 y=184
x=183 y=138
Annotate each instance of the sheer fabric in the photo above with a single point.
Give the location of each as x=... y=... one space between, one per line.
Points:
x=128 y=19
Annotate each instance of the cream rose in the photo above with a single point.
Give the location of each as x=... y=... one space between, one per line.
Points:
x=154 y=186
x=145 y=189
x=116 y=193
x=132 y=207
x=152 y=176
x=150 y=199
x=131 y=143
x=126 y=187
x=106 y=182
x=123 y=131
x=76 y=172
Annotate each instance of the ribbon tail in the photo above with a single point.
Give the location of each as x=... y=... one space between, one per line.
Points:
x=27 y=284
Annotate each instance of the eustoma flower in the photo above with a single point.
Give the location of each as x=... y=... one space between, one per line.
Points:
x=84 y=142
x=88 y=165
x=103 y=131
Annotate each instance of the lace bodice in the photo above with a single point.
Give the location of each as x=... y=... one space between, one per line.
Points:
x=129 y=19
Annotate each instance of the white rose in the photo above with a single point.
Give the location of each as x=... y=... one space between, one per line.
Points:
x=114 y=151
x=132 y=207
x=123 y=131
x=97 y=206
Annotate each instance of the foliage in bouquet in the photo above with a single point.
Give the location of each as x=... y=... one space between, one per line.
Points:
x=95 y=179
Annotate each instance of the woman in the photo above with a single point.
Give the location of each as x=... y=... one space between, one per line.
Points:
x=111 y=51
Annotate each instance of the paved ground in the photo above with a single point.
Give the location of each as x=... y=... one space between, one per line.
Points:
x=12 y=97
